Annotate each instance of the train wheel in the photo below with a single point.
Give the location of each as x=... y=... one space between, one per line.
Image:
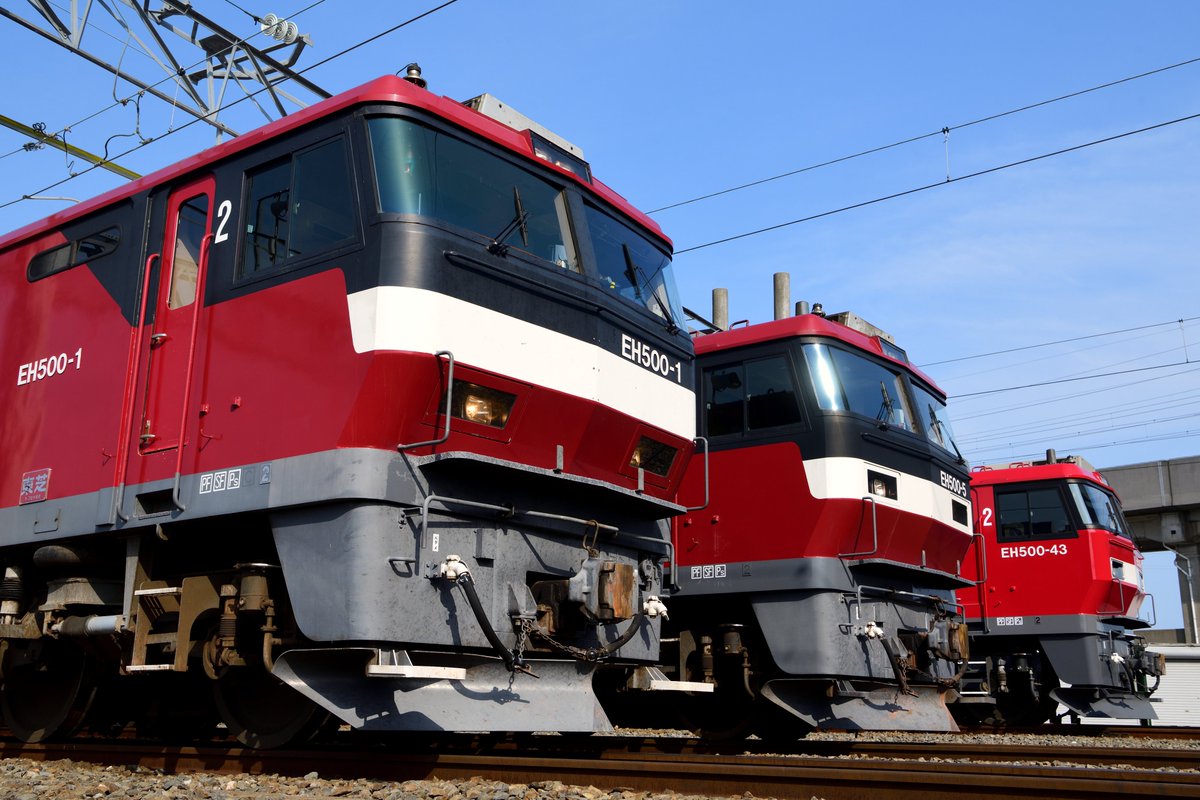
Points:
x=263 y=712
x=48 y=695
x=718 y=717
x=1028 y=702
x=773 y=724
x=174 y=708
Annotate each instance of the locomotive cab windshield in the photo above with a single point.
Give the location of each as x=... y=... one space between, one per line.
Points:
x=1098 y=508
x=432 y=175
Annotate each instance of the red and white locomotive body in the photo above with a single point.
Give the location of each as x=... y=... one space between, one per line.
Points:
x=816 y=577
x=384 y=400
x=1061 y=593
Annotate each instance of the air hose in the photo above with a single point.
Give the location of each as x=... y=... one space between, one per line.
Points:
x=467 y=584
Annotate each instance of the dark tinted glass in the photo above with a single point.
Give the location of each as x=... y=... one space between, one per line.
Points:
x=770 y=394
x=421 y=171
x=723 y=401
x=1032 y=514
x=267 y=219
x=1099 y=508
x=871 y=389
x=299 y=207
x=756 y=395
x=322 y=205
x=74 y=253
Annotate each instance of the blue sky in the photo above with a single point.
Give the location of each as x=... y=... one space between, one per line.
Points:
x=671 y=100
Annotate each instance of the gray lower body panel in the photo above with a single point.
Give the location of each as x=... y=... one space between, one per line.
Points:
x=1095 y=702
x=490 y=698
x=878 y=710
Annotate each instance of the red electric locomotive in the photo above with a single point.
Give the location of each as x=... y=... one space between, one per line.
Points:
x=369 y=412
x=815 y=586
x=1052 y=620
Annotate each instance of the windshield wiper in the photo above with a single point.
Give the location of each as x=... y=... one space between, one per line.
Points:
x=498 y=247
x=632 y=271
x=941 y=432
x=887 y=410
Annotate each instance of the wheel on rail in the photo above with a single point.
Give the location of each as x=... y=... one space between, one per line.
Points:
x=173 y=708
x=719 y=716
x=773 y=724
x=48 y=688
x=263 y=712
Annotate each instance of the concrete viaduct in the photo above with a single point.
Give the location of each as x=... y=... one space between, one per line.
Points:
x=1162 y=503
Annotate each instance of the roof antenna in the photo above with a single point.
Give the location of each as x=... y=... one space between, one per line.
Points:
x=413 y=74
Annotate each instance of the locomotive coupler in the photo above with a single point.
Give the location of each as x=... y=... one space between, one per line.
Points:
x=606 y=591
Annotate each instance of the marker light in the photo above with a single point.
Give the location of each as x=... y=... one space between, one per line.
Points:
x=882 y=485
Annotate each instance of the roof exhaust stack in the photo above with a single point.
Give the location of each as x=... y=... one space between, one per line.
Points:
x=783 y=295
x=801 y=308
x=720 y=309
x=1051 y=457
x=412 y=74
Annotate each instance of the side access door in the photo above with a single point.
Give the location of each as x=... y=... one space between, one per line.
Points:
x=172 y=338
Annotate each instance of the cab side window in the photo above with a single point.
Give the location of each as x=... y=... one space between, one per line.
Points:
x=297 y=207
x=1034 y=513
x=751 y=396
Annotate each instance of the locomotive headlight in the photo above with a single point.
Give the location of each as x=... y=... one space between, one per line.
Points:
x=653 y=456
x=479 y=409
x=481 y=404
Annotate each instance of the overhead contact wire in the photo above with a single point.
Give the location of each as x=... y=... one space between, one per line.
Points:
x=944 y=131
x=188 y=124
x=938 y=184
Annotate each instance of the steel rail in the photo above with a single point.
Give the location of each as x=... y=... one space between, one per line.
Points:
x=719 y=775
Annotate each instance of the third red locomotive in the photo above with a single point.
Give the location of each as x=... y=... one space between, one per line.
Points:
x=1059 y=601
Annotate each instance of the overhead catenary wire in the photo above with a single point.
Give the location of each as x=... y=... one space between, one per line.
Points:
x=188 y=124
x=1056 y=381
x=121 y=103
x=1059 y=341
x=1074 y=397
x=938 y=184
x=1075 y=419
x=1075 y=352
x=943 y=131
x=994 y=454
x=1165 y=437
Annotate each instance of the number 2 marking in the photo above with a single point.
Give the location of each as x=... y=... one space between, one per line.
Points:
x=224 y=212
x=987 y=518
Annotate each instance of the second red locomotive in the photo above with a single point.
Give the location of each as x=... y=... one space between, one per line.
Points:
x=815 y=585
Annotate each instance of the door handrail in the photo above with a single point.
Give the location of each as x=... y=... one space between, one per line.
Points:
x=131 y=379
x=205 y=244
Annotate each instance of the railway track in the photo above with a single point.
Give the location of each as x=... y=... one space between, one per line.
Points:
x=828 y=769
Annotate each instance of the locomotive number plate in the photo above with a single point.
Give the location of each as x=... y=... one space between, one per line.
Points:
x=641 y=353
x=1033 y=550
